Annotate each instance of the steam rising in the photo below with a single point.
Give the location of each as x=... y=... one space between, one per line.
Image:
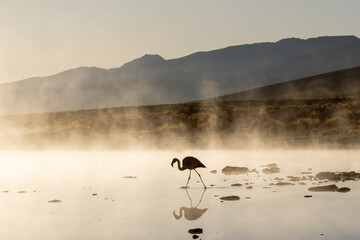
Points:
x=312 y=111
x=241 y=124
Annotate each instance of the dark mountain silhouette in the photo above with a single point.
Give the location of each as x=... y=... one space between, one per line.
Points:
x=343 y=83
x=147 y=59
x=153 y=80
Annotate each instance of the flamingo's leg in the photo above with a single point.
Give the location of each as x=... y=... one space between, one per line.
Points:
x=188 y=179
x=201 y=198
x=200 y=178
x=189 y=197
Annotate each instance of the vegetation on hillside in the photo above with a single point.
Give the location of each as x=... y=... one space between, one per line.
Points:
x=197 y=124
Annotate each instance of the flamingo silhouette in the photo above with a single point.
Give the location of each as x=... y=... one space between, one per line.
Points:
x=191 y=213
x=190 y=163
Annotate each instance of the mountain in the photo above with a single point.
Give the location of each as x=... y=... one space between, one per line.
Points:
x=147 y=59
x=154 y=80
x=343 y=83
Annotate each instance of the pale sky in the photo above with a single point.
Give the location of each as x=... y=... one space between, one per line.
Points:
x=45 y=37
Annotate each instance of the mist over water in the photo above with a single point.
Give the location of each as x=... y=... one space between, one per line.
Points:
x=105 y=173
x=134 y=194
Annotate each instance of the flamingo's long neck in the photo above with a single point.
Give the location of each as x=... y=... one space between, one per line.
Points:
x=180 y=213
x=178 y=163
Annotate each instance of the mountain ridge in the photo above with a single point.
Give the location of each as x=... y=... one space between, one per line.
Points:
x=342 y=83
x=153 y=80
x=353 y=37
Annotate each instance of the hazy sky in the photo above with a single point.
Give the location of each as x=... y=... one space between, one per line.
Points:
x=44 y=37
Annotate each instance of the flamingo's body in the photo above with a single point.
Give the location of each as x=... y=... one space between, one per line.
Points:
x=190 y=163
x=190 y=214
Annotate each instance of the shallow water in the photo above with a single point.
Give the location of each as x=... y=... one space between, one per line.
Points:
x=97 y=202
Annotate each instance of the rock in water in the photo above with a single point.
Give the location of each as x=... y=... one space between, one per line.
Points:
x=328 y=188
x=344 y=190
x=271 y=165
x=213 y=171
x=129 y=177
x=54 y=201
x=230 y=198
x=272 y=169
x=228 y=170
x=295 y=179
x=307 y=196
x=195 y=231
x=282 y=184
x=338 y=176
x=236 y=185
x=328 y=175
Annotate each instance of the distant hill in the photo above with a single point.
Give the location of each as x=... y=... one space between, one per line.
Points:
x=343 y=83
x=324 y=123
x=154 y=80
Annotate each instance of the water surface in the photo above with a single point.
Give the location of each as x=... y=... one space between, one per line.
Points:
x=97 y=202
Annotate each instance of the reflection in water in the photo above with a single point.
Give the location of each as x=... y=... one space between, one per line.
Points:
x=192 y=213
x=73 y=177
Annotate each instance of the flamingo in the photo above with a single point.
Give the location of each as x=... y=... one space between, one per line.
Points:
x=190 y=163
x=191 y=213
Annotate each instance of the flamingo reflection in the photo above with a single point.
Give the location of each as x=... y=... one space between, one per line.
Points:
x=191 y=213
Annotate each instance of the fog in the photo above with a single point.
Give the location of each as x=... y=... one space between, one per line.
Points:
x=106 y=173
x=284 y=124
x=73 y=172
x=316 y=112
x=96 y=201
